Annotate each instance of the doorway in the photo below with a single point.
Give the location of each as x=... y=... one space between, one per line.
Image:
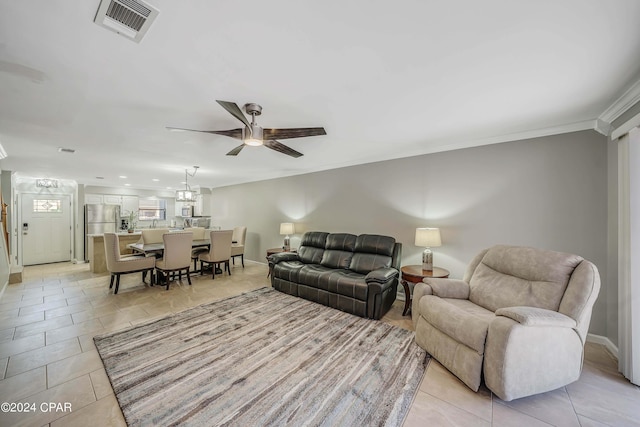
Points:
x=45 y=228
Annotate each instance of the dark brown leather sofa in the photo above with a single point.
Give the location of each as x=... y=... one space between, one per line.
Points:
x=356 y=274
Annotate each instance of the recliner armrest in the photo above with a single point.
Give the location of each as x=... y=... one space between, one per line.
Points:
x=533 y=316
x=381 y=275
x=448 y=288
x=282 y=256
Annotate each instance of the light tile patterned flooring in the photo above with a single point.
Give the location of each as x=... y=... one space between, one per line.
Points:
x=47 y=355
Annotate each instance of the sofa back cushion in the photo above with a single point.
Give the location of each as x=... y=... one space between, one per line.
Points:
x=372 y=252
x=312 y=247
x=339 y=250
x=510 y=276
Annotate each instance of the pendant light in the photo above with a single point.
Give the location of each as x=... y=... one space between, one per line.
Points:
x=187 y=195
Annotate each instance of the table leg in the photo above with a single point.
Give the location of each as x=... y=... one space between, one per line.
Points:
x=407 y=298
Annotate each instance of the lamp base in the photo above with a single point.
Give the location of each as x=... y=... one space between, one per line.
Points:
x=287 y=244
x=427 y=260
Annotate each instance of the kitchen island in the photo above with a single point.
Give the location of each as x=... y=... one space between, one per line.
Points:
x=95 y=251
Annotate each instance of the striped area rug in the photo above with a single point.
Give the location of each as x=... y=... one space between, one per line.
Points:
x=263 y=358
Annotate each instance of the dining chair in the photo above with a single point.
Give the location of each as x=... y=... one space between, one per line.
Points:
x=153 y=235
x=199 y=233
x=176 y=257
x=118 y=264
x=237 y=244
x=219 y=251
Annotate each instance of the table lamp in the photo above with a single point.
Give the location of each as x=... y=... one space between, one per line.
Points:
x=427 y=238
x=286 y=228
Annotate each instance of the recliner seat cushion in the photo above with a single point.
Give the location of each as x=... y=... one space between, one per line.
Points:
x=347 y=283
x=313 y=275
x=288 y=270
x=519 y=276
x=460 y=319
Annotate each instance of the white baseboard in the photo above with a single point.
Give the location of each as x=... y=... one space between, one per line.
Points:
x=599 y=339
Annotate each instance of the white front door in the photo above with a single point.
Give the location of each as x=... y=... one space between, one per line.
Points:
x=45 y=228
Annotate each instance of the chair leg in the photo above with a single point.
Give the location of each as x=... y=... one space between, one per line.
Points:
x=144 y=276
x=242 y=259
x=117 y=283
x=233 y=260
x=226 y=264
x=111 y=282
x=188 y=276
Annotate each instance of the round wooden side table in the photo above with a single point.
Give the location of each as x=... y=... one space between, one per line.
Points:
x=414 y=274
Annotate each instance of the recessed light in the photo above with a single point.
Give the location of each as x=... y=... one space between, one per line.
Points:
x=169 y=188
x=127 y=185
x=155 y=179
x=123 y=176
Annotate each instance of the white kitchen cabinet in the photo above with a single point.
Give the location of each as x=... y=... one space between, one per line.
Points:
x=202 y=206
x=93 y=199
x=111 y=199
x=129 y=204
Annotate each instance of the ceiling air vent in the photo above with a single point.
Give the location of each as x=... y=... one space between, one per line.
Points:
x=129 y=18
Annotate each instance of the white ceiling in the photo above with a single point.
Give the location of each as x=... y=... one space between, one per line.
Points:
x=386 y=80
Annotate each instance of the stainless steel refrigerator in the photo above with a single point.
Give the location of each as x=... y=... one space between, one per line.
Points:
x=99 y=219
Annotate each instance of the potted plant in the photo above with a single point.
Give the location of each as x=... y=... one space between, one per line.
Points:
x=133 y=216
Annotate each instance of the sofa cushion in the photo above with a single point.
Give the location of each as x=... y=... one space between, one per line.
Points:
x=348 y=283
x=313 y=275
x=460 y=319
x=338 y=250
x=519 y=276
x=312 y=247
x=287 y=270
x=372 y=252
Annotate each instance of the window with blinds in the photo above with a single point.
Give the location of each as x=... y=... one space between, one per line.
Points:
x=150 y=209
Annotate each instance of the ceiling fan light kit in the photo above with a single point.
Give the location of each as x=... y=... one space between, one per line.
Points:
x=254 y=135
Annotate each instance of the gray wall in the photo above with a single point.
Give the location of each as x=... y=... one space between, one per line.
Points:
x=546 y=192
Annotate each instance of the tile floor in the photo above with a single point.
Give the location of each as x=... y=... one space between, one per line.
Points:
x=47 y=355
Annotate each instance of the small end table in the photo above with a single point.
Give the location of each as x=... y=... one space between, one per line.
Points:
x=414 y=274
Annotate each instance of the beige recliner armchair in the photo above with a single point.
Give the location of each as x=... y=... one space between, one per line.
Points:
x=519 y=317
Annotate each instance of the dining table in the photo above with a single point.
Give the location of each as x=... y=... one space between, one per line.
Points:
x=158 y=249
x=154 y=248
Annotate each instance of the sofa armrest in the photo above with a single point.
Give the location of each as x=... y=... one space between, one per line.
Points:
x=533 y=316
x=282 y=256
x=381 y=275
x=448 y=288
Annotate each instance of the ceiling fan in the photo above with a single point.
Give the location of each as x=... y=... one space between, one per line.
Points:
x=254 y=135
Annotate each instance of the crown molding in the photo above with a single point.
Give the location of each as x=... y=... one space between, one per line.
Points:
x=622 y=104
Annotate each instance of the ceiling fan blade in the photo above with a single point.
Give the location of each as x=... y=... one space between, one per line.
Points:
x=236 y=150
x=291 y=133
x=281 y=148
x=235 y=111
x=232 y=133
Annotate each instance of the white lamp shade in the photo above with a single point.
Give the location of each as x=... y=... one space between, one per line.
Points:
x=428 y=237
x=286 y=228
